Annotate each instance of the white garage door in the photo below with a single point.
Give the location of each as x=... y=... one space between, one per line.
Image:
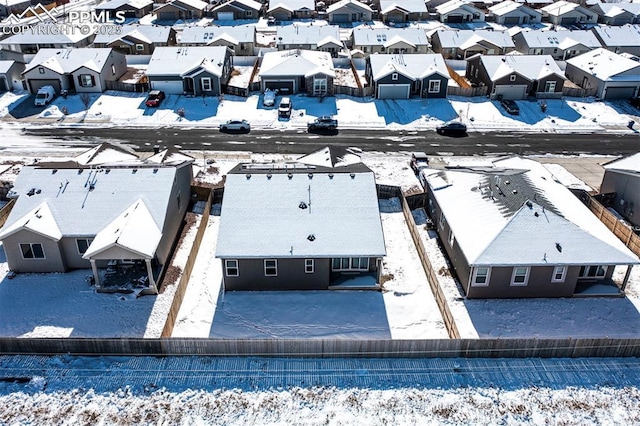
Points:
x=511 y=92
x=393 y=91
x=225 y=16
x=168 y=87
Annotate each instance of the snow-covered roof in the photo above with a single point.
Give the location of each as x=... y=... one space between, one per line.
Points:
x=35 y=36
x=296 y=62
x=368 y=36
x=561 y=39
x=453 y=5
x=193 y=4
x=5 y=66
x=243 y=5
x=331 y=156
x=508 y=6
x=289 y=213
x=517 y=213
x=605 y=65
x=115 y=4
x=105 y=153
x=40 y=221
x=409 y=6
x=146 y=33
x=65 y=61
x=468 y=38
x=176 y=60
x=615 y=9
x=630 y=163
x=352 y=4
x=292 y=5
x=169 y=156
x=416 y=66
x=533 y=67
x=209 y=34
x=624 y=35
x=306 y=34
x=562 y=7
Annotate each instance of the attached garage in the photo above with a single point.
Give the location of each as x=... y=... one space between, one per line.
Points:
x=170 y=87
x=35 y=84
x=394 y=91
x=281 y=16
x=511 y=92
x=225 y=16
x=167 y=16
x=341 y=18
x=455 y=19
x=568 y=21
x=283 y=87
x=511 y=20
x=620 y=92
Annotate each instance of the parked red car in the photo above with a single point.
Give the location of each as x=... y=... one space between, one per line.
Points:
x=154 y=98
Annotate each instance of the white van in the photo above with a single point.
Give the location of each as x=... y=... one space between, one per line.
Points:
x=45 y=95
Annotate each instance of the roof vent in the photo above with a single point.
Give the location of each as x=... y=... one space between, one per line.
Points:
x=310 y=175
x=290 y=175
x=514 y=192
x=311 y=237
x=302 y=205
x=248 y=175
x=536 y=214
x=54 y=171
x=269 y=176
x=155 y=171
x=529 y=204
x=79 y=171
x=559 y=247
x=31 y=192
x=330 y=175
x=134 y=171
x=106 y=172
x=353 y=175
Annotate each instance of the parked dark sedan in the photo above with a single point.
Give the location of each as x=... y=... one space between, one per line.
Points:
x=510 y=106
x=452 y=127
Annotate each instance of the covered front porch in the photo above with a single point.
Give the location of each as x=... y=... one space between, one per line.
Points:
x=127 y=276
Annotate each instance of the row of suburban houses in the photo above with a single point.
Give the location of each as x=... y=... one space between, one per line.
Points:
x=510 y=229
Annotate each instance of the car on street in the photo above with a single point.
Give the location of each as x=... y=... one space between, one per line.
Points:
x=154 y=98
x=510 y=106
x=419 y=160
x=453 y=127
x=237 y=125
x=284 y=107
x=324 y=122
x=269 y=98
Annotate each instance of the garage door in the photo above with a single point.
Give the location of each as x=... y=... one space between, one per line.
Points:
x=620 y=92
x=567 y=21
x=512 y=20
x=166 y=16
x=168 y=87
x=34 y=85
x=511 y=92
x=341 y=17
x=393 y=91
x=283 y=87
x=225 y=16
x=3 y=84
x=454 y=19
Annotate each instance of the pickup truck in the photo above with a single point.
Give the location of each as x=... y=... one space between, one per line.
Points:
x=323 y=123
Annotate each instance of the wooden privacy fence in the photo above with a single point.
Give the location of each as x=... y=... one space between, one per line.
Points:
x=4 y=211
x=467 y=91
x=186 y=273
x=329 y=348
x=126 y=87
x=577 y=92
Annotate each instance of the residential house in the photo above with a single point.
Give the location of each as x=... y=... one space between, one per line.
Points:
x=325 y=38
x=617 y=13
x=400 y=76
x=40 y=36
x=371 y=40
x=236 y=10
x=70 y=215
x=567 y=13
x=197 y=70
x=622 y=179
x=347 y=11
x=137 y=39
x=516 y=76
x=625 y=38
x=535 y=4
x=461 y=44
x=561 y=45
x=458 y=12
x=127 y=8
x=511 y=230
x=11 y=75
x=176 y=10
x=612 y=76
x=15 y=7
x=241 y=39
x=513 y=13
x=295 y=71
x=395 y=12
x=300 y=226
x=74 y=70
x=287 y=10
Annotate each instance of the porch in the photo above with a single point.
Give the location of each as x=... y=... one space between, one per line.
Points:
x=128 y=276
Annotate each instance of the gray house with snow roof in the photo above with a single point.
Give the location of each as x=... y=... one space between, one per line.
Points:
x=195 y=70
x=561 y=45
x=137 y=39
x=180 y=9
x=287 y=10
x=622 y=39
x=394 y=11
x=622 y=178
x=241 y=39
x=567 y=13
x=295 y=71
x=235 y=9
x=325 y=38
x=347 y=11
x=128 y=8
x=512 y=231
x=458 y=12
x=620 y=13
x=461 y=44
x=88 y=213
x=300 y=226
x=371 y=40
x=513 y=13
x=401 y=76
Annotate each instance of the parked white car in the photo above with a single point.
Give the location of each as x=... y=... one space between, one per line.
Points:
x=239 y=125
x=269 y=98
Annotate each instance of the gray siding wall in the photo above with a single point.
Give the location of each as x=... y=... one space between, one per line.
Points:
x=291 y=276
x=71 y=256
x=539 y=284
x=53 y=261
x=34 y=74
x=627 y=188
x=443 y=87
x=558 y=90
x=483 y=77
x=577 y=76
x=237 y=14
x=175 y=213
x=215 y=84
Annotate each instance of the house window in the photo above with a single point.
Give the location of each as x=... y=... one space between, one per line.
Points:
x=481 y=277
x=242 y=46
x=595 y=271
x=139 y=48
x=512 y=78
x=32 y=251
x=434 y=86
x=520 y=275
x=248 y=13
x=559 y=274
x=394 y=76
x=270 y=268
x=41 y=70
x=308 y=266
x=550 y=86
x=231 y=268
x=86 y=80
x=206 y=84
x=350 y=264
x=83 y=244
x=555 y=50
x=113 y=69
x=319 y=86
x=364 y=49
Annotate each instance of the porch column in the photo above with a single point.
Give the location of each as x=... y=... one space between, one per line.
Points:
x=152 y=281
x=626 y=277
x=96 y=276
